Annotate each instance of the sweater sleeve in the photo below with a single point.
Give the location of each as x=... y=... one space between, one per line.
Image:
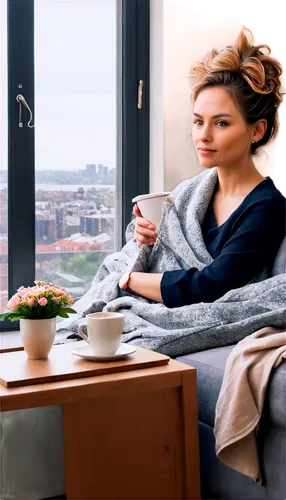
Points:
x=254 y=241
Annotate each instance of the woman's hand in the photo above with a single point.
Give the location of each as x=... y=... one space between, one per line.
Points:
x=145 y=231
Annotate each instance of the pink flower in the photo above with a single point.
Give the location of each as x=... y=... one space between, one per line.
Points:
x=13 y=304
x=30 y=301
x=42 y=294
x=42 y=302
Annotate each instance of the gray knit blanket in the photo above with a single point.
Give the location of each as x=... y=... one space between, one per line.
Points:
x=180 y=245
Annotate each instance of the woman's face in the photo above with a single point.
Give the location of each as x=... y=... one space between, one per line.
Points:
x=220 y=133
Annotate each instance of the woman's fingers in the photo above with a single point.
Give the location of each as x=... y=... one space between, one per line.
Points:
x=145 y=239
x=136 y=211
x=145 y=228
x=145 y=231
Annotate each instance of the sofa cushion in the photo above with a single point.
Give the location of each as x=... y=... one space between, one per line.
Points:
x=221 y=482
x=210 y=367
x=217 y=479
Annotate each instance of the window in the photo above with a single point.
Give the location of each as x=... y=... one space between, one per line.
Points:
x=75 y=139
x=77 y=143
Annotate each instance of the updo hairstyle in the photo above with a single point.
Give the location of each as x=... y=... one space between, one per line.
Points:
x=251 y=77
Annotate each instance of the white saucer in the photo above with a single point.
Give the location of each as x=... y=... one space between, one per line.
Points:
x=86 y=353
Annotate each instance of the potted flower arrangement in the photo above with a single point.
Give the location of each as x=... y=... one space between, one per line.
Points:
x=37 y=308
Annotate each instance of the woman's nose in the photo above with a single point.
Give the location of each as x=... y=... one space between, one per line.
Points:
x=205 y=134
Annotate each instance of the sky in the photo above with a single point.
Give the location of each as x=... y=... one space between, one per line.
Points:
x=75 y=83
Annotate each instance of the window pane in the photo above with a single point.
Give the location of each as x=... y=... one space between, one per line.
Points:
x=75 y=139
x=3 y=161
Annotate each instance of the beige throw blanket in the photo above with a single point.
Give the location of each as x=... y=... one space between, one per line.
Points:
x=241 y=398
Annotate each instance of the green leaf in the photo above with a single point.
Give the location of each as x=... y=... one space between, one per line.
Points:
x=12 y=316
x=26 y=312
x=62 y=313
x=5 y=315
x=69 y=310
x=17 y=317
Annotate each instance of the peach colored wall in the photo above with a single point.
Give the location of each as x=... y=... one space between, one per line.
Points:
x=190 y=29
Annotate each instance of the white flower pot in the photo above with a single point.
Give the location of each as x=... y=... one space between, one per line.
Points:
x=38 y=336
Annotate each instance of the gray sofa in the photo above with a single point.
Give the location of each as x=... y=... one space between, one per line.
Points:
x=218 y=480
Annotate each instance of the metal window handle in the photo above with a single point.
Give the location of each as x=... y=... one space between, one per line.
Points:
x=21 y=99
x=140 y=94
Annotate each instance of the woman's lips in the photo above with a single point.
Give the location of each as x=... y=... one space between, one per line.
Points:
x=206 y=152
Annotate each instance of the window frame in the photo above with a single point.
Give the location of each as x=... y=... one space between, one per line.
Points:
x=134 y=66
x=133 y=29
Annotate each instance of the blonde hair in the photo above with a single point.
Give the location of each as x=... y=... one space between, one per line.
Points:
x=251 y=76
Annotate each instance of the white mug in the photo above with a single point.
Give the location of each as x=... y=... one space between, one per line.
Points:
x=104 y=332
x=151 y=206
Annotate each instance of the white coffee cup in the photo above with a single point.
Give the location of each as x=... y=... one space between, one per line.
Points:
x=151 y=206
x=104 y=332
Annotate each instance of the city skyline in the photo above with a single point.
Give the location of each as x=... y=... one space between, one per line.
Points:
x=94 y=176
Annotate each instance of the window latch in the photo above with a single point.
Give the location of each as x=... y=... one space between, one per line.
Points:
x=21 y=100
x=140 y=94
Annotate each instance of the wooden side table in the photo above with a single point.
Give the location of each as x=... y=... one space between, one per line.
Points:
x=129 y=435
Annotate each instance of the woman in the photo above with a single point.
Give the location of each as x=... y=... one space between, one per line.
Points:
x=236 y=100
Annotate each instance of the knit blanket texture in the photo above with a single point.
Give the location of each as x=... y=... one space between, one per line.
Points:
x=180 y=245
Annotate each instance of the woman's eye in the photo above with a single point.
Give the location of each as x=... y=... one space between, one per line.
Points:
x=221 y=123
x=198 y=122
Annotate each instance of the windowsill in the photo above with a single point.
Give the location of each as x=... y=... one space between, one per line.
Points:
x=12 y=341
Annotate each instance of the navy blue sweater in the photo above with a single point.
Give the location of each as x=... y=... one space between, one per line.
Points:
x=241 y=247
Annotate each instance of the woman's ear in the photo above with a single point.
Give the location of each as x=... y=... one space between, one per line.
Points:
x=259 y=130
